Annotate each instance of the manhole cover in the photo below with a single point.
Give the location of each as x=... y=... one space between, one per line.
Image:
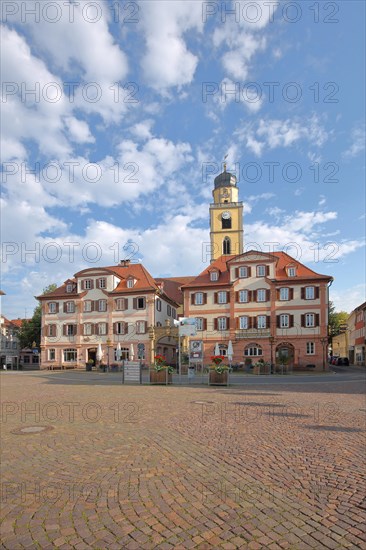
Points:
x=32 y=430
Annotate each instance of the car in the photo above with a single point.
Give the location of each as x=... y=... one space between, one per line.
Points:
x=342 y=361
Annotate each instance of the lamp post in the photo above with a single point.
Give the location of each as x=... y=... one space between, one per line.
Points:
x=324 y=342
x=271 y=342
x=109 y=343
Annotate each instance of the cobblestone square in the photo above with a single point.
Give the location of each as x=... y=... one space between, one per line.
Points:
x=251 y=466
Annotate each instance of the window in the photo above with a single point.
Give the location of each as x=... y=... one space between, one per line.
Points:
x=26 y=359
x=52 y=331
x=130 y=283
x=51 y=354
x=102 y=305
x=121 y=304
x=199 y=323
x=261 y=295
x=261 y=270
x=120 y=328
x=125 y=354
x=88 y=284
x=88 y=329
x=140 y=303
x=7 y=344
x=70 y=355
x=244 y=322
x=52 y=307
x=87 y=306
x=222 y=297
x=291 y=271
x=261 y=321
x=243 y=272
x=102 y=283
x=226 y=223
x=309 y=293
x=158 y=304
x=243 y=296
x=174 y=313
x=253 y=351
x=198 y=298
x=310 y=348
x=14 y=346
x=309 y=320
x=226 y=246
x=284 y=293
x=284 y=321
x=214 y=276
x=102 y=329
x=169 y=310
x=69 y=288
x=140 y=327
x=70 y=307
x=70 y=330
x=221 y=323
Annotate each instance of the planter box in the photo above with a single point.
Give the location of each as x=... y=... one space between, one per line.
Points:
x=160 y=377
x=216 y=379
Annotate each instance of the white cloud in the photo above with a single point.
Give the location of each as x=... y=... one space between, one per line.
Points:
x=358 y=142
x=167 y=61
x=348 y=299
x=78 y=130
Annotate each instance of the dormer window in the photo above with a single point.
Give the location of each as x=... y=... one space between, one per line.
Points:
x=291 y=271
x=130 y=283
x=261 y=270
x=214 y=276
x=69 y=288
x=102 y=283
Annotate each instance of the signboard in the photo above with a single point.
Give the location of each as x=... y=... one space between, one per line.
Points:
x=187 y=326
x=35 y=350
x=132 y=372
x=195 y=350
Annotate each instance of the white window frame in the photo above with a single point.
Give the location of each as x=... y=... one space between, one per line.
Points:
x=130 y=283
x=310 y=293
x=88 y=329
x=214 y=276
x=103 y=283
x=244 y=322
x=222 y=297
x=243 y=293
x=87 y=306
x=140 y=327
x=119 y=327
x=261 y=295
x=69 y=355
x=102 y=329
x=291 y=272
x=310 y=348
x=69 y=288
x=309 y=320
x=70 y=331
x=52 y=307
x=100 y=306
x=253 y=351
x=120 y=304
x=221 y=323
x=261 y=270
x=198 y=299
x=51 y=353
x=70 y=307
x=284 y=320
x=87 y=284
x=199 y=323
x=261 y=321
x=243 y=272
x=284 y=294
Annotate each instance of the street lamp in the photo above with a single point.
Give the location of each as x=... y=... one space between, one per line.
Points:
x=271 y=342
x=324 y=342
x=109 y=343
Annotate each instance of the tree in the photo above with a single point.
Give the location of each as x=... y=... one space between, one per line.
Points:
x=30 y=331
x=337 y=319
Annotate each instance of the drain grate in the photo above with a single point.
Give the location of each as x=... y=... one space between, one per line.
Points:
x=30 y=430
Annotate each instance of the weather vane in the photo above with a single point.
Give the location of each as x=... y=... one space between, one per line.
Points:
x=225 y=157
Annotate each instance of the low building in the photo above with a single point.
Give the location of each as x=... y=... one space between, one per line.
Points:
x=9 y=351
x=357 y=335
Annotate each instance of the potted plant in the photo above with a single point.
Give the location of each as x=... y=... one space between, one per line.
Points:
x=283 y=360
x=161 y=373
x=89 y=365
x=219 y=373
x=261 y=367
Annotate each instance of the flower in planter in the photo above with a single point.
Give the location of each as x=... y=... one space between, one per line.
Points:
x=217 y=359
x=220 y=369
x=160 y=364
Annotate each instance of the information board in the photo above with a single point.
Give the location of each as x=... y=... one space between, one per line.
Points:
x=132 y=372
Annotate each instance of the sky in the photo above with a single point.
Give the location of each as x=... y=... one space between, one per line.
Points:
x=116 y=118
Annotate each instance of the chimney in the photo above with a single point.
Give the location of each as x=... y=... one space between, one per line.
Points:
x=124 y=263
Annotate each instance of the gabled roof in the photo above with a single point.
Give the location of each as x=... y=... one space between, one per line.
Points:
x=303 y=272
x=203 y=278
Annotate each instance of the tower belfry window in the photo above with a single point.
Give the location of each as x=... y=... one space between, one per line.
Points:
x=226 y=246
x=226 y=220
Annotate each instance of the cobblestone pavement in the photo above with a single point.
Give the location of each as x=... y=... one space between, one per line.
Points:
x=274 y=466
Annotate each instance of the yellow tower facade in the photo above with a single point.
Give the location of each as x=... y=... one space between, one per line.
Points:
x=226 y=217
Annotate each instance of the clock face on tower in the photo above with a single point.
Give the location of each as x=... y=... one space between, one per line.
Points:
x=226 y=215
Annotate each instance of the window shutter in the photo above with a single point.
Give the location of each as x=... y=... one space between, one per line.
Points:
x=65 y=310
x=268 y=295
x=125 y=303
x=215 y=323
x=268 y=321
x=291 y=321
x=237 y=322
x=250 y=295
x=317 y=319
x=144 y=328
x=227 y=323
x=75 y=329
x=57 y=307
x=135 y=303
x=95 y=305
x=267 y=270
x=236 y=272
x=278 y=321
x=125 y=328
x=64 y=330
x=278 y=294
x=204 y=324
x=114 y=328
x=255 y=295
x=91 y=284
x=192 y=298
x=302 y=293
x=144 y=303
x=291 y=294
x=302 y=320
x=236 y=296
x=215 y=298
x=106 y=328
x=316 y=292
x=205 y=298
x=249 y=271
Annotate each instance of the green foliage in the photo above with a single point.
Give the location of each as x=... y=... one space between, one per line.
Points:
x=30 y=330
x=337 y=320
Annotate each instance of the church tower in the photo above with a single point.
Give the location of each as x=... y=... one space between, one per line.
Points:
x=226 y=217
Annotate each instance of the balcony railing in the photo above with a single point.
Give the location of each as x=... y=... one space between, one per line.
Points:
x=225 y=204
x=252 y=333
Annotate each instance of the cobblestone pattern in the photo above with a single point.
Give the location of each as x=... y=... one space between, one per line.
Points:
x=166 y=467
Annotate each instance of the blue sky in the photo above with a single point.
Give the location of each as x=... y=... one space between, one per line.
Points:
x=134 y=107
